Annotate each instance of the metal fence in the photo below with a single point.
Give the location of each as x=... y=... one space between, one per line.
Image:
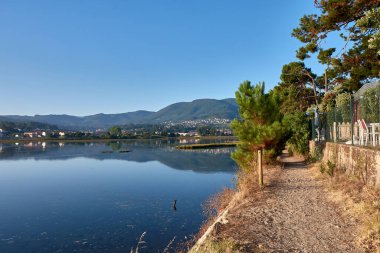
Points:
x=351 y=118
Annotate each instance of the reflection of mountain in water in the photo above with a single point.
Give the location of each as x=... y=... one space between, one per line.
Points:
x=209 y=160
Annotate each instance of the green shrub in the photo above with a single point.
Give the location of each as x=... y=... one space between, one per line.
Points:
x=297 y=128
x=322 y=168
x=343 y=107
x=369 y=105
x=331 y=168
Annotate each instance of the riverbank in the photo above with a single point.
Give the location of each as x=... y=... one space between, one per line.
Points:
x=208 y=145
x=292 y=213
x=114 y=139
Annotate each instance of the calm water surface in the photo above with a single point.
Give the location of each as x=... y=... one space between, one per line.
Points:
x=90 y=197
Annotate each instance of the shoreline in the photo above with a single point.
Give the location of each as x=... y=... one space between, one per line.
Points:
x=208 y=145
x=114 y=139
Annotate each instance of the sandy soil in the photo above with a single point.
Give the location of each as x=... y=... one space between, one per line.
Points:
x=293 y=214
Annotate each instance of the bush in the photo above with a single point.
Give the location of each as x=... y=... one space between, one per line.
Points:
x=322 y=168
x=343 y=107
x=369 y=105
x=297 y=128
x=331 y=168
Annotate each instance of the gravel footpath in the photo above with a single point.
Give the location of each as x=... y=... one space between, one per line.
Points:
x=291 y=215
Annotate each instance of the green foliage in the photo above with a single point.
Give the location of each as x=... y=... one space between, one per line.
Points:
x=12 y=127
x=207 y=130
x=324 y=56
x=322 y=168
x=328 y=102
x=294 y=73
x=258 y=126
x=317 y=153
x=330 y=168
x=343 y=101
x=358 y=23
x=369 y=105
x=197 y=109
x=294 y=86
x=115 y=131
x=297 y=128
x=370 y=23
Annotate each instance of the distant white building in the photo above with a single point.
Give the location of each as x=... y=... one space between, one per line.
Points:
x=193 y=133
x=30 y=134
x=61 y=134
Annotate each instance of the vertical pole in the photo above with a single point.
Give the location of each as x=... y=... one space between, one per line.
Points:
x=260 y=167
x=352 y=118
x=378 y=98
x=327 y=127
x=335 y=125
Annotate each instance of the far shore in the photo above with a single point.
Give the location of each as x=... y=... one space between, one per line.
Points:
x=208 y=145
x=113 y=139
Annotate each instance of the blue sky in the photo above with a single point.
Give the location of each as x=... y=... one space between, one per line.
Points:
x=86 y=57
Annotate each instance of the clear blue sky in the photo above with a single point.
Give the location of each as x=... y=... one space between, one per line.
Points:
x=86 y=57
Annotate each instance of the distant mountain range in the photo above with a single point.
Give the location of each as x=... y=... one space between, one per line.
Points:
x=197 y=109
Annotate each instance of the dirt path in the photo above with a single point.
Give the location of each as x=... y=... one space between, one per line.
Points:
x=292 y=215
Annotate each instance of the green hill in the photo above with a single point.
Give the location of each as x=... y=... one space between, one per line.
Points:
x=197 y=109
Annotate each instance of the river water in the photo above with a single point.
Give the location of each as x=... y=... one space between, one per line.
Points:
x=97 y=197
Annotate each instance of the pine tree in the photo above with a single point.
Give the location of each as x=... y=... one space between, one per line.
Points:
x=258 y=127
x=357 y=22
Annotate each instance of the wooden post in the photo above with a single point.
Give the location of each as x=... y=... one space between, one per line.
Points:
x=260 y=167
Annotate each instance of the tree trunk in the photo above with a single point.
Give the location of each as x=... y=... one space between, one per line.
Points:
x=314 y=86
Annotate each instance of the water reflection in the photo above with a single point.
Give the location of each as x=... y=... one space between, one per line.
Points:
x=204 y=160
x=90 y=197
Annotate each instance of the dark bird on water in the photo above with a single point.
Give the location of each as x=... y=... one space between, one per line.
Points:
x=175 y=205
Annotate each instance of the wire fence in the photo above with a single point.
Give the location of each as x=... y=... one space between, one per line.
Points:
x=351 y=118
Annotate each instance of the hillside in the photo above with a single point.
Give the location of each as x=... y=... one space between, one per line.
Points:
x=27 y=125
x=197 y=109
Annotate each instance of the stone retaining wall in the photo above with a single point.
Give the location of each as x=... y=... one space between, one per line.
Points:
x=362 y=163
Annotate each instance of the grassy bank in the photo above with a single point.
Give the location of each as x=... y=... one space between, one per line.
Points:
x=361 y=202
x=208 y=145
x=222 y=205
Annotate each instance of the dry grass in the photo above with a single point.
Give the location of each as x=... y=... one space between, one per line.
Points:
x=361 y=202
x=213 y=207
x=218 y=202
x=219 y=246
x=247 y=183
x=140 y=242
x=228 y=199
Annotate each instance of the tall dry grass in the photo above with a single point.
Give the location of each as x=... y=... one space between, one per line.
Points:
x=361 y=202
x=247 y=188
